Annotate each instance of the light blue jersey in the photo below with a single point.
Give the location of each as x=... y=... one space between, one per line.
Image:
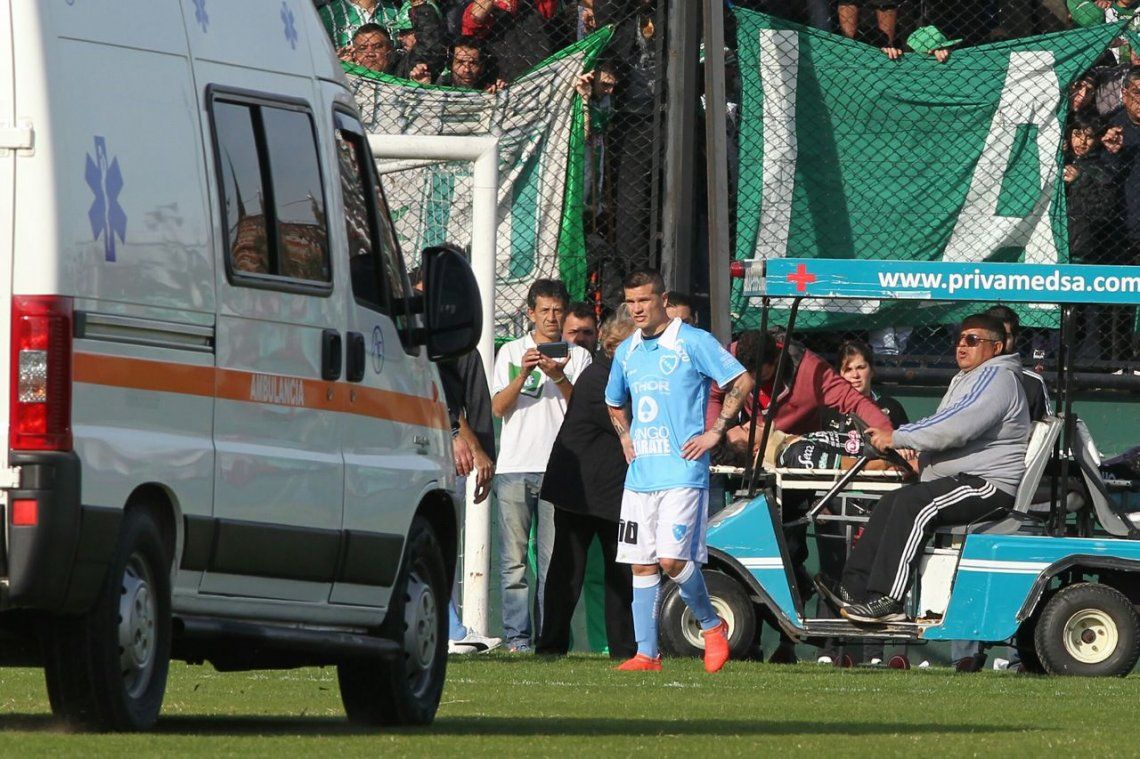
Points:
x=668 y=379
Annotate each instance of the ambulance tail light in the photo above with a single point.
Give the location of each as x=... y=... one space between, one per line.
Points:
x=40 y=403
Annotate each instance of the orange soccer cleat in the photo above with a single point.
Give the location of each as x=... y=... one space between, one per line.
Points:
x=716 y=647
x=640 y=663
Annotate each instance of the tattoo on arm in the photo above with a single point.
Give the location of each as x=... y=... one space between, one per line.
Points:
x=733 y=400
x=619 y=421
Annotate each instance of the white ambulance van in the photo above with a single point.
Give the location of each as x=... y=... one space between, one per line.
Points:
x=227 y=441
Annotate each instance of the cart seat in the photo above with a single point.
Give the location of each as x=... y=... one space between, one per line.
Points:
x=1022 y=517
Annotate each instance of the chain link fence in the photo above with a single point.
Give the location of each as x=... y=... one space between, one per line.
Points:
x=961 y=141
x=580 y=156
x=1005 y=151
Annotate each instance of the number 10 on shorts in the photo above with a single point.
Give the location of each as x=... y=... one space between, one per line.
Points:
x=627 y=532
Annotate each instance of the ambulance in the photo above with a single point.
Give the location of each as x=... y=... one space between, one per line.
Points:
x=227 y=441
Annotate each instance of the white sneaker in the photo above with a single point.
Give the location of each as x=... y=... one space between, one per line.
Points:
x=825 y=660
x=473 y=643
x=876 y=661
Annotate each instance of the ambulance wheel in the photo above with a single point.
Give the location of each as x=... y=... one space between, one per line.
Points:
x=106 y=669
x=406 y=690
x=1090 y=630
x=680 y=633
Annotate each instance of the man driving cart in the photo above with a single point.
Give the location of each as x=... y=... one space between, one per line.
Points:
x=971 y=453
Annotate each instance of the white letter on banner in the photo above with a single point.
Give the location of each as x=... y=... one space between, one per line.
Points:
x=779 y=66
x=1029 y=96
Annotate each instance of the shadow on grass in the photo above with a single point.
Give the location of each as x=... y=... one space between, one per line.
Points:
x=522 y=726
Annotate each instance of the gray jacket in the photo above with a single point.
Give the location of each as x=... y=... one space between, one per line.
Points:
x=981 y=427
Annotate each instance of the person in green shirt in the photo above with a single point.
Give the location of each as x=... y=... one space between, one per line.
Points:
x=343 y=17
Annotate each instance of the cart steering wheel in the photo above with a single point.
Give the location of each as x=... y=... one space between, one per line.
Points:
x=869 y=450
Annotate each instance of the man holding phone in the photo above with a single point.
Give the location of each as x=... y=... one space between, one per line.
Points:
x=532 y=381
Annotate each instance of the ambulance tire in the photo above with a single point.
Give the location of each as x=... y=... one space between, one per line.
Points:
x=106 y=669
x=679 y=632
x=1088 y=630
x=406 y=690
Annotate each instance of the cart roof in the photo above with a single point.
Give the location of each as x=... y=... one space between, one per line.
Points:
x=941 y=280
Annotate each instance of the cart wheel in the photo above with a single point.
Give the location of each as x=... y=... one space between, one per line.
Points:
x=1090 y=630
x=680 y=633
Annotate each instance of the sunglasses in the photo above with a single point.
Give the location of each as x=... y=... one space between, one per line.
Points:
x=972 y=341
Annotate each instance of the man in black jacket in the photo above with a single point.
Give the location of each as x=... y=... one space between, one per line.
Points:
x=584 y=480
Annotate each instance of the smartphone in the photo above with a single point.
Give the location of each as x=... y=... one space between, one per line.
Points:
x=560 y=349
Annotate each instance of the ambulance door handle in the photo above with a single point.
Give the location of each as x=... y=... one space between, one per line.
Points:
x=332 y=357
x=356 y=362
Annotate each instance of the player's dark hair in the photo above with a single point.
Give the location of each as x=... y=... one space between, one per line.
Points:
x=991 y=324
x=676 y=298
x=582 y=310
x=851 y=348
x=749 y=345
x=547 y=288
x=643 y=277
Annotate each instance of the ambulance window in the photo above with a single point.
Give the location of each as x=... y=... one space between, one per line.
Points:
x=274 y=202
x=247 y=240
x=378 y=278
x=360 y=219
x=298 y=196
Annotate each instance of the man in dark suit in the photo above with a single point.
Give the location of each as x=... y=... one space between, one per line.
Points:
x=584 y=480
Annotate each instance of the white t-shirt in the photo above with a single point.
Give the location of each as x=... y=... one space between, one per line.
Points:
x=530 y=427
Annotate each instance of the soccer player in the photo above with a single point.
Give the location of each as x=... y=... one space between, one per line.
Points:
x=665 y=367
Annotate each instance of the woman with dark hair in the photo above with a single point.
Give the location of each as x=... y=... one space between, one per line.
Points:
x=855 y=362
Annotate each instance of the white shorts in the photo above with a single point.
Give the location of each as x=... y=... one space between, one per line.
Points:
x=664 y=524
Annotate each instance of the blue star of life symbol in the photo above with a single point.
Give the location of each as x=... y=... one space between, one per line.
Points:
x=290 y=25
x=200 y=14
x=107 y=217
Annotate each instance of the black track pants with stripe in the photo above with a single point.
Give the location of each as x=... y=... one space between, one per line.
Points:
x=902 y=522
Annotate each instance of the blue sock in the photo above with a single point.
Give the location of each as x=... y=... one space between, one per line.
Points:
x=646 y=589
x=691 y=583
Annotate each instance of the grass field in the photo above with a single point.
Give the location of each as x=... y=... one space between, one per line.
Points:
x=500 y=705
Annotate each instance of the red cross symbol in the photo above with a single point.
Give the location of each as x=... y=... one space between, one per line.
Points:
x=801 y=278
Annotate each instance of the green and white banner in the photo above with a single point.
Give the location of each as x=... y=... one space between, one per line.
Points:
x=538 y=120
x=845 y=153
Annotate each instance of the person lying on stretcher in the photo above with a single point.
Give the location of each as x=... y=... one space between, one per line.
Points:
x=829 y=450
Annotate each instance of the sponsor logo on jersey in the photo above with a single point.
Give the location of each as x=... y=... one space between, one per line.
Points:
x=646 y=410
x=854 y=443
x=807 y=456
x=651 y=386
x=652 y=441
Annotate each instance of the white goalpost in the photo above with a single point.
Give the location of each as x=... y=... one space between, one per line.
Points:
x=483 y=155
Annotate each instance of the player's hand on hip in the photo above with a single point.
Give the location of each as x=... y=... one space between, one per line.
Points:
x=698 y=446
x=627 y=449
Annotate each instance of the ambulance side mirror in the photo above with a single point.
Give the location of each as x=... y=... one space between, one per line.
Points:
x=452 y=308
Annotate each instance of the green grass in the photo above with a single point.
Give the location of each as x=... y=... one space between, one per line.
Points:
x=505 y=706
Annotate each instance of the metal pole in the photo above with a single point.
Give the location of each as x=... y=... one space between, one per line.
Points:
x=677 y=225
x=716 y=164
